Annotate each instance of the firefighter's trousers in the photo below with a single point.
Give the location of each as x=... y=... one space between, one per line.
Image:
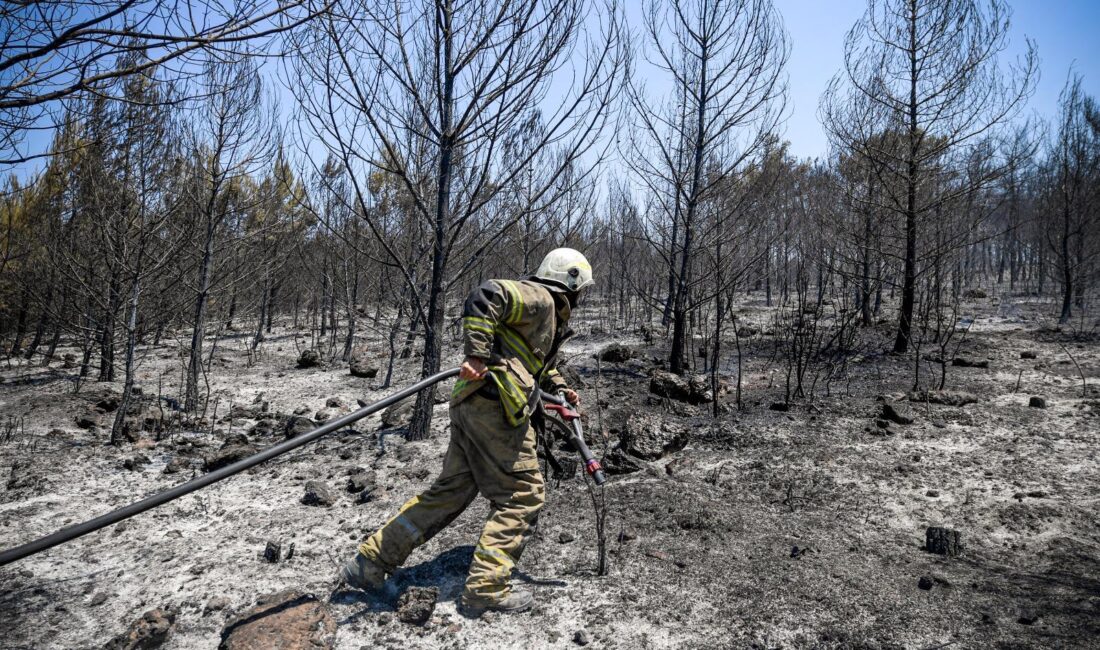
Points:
x=485 y=455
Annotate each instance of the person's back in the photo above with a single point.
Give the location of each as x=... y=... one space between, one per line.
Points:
x=512 y=331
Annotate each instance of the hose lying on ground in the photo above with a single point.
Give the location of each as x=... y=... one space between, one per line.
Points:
x=77 y=530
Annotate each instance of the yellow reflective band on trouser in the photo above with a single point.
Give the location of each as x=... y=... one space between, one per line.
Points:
x=399 y=536
x=412 y=530
x=512 y=397
x=500 y=561
x=459 y=385
x=516 y=312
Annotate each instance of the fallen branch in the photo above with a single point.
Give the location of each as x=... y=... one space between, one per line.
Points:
x=1084 y=384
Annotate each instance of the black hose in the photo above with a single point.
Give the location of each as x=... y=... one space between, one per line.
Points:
x=591 y=465
x=72 y=532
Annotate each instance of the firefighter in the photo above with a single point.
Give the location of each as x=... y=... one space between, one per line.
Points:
x=511 y=333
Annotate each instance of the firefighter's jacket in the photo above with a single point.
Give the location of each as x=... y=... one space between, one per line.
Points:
x=513 y=326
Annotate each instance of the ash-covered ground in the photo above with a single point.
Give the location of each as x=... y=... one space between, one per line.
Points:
x=765 y=528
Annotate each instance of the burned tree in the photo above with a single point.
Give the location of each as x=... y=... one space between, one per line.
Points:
x=928 y=73
x=428 y=94
x=725 y=60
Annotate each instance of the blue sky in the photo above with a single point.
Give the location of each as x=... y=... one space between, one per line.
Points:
x=1066 y=33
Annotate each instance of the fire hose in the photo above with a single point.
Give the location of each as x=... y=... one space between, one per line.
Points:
x=160 y=498
x=557 y=404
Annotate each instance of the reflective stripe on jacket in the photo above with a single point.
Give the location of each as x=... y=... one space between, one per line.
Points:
x=511 y=325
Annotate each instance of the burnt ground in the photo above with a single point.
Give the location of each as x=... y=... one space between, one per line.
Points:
x=769 y=529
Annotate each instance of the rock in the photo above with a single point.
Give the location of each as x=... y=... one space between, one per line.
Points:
x=694 y=390
x=580 y=637
x=963 y=362
x=324 y=415
x=287 y=620
x=109 y=403
x=416 y=604
x=1037 y=402
x=398 y=415
x=176 y=465
x=363 y=371
x=616 y=353
x=891 y=414
x=136 y=462
x=302 y=410
x=235 y=440
x=317 y=494
x=309 y=359
x=228 y=456
x=250 y=411
x=88 y=421
x=149 y=631
x=925 y=583
x=666 y=384
x=215 y=604
x=335 y=403
x=360 y=364
x=943 y=541
x=652 y=437
x=273 y=552
x=264 y=427
x=565 y=537
x=298 y=425
x=945 y=397
x=360 y=480
x=700 y=389
x=932 y=493
x=746 y=332
x=571 y=375
x=617 y=462
x=97 y=599
x=1028 y=354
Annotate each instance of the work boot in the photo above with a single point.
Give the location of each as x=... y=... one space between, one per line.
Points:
x=514 y=601
x=361 y=572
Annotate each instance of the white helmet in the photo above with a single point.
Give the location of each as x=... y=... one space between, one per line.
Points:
x=565 y=268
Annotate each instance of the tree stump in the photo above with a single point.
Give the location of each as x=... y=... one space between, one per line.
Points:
x=943 y=541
